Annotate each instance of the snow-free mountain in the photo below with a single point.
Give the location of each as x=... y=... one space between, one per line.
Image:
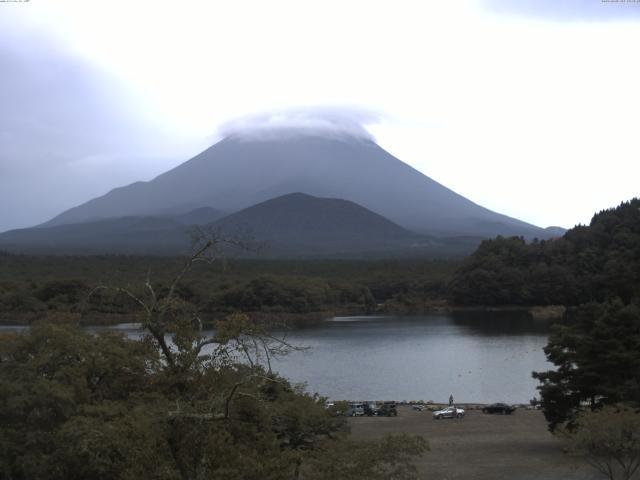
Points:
x=241 y=171
x=299 y=192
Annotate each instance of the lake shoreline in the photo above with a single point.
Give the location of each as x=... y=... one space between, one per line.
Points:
x=288 y=319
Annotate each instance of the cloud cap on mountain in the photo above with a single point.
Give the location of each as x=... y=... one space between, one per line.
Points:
x=325 y=121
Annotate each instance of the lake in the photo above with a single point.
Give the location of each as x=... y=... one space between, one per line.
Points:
x=477 y=357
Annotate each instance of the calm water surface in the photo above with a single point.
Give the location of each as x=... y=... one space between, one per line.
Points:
x=477 y=357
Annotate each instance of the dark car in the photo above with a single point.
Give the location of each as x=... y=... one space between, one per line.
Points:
x=502 y=408
x=370 y=409
x=388 y=410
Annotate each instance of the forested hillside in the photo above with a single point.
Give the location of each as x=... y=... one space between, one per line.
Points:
x=589 y=263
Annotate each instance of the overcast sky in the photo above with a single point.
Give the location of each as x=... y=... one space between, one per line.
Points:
x=529 y=108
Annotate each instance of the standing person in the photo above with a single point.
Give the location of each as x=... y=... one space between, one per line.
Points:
x=451 y=399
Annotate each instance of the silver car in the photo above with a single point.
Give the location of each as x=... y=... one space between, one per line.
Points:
x=449 y=412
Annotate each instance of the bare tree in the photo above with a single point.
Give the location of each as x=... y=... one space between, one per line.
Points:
x=176 y=327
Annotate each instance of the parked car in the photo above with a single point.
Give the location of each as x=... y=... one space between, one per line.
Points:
x=355 y=410
x=449 y=412
x=370 y=409
x=388 y=410
x=418 y=408
x=502 y=408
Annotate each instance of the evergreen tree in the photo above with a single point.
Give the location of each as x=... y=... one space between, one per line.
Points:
x=597 y=358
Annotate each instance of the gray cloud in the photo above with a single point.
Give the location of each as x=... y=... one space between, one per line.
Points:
x=328 y=121
x=68 y=131
x=568 y=10
x=56 y=109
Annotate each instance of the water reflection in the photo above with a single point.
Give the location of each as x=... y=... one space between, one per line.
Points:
x=501 y=323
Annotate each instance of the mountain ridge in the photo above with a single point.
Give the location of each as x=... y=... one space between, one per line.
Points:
x=236 y=173
x=293 y=225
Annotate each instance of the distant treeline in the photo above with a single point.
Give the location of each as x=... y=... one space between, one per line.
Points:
x=34 y=286
x=589 y=263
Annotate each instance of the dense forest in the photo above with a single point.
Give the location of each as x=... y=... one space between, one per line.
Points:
x=35 y=286
x=589 y=263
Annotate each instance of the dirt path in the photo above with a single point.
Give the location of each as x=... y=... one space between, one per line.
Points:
x=482 y=447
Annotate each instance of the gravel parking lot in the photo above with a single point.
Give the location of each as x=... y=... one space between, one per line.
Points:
x=481 y=446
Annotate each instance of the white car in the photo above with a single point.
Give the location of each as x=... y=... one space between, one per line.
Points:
x=449 y=412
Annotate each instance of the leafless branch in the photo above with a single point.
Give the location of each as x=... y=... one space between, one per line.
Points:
x=203 y=343
x=266 y=353
x=150 y=288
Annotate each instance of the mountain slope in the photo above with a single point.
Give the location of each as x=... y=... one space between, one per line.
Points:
x=238 y=172
x=113 y=235
x=199 y=216
x=132 y=234
x=293 y=225
x=301 y=224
